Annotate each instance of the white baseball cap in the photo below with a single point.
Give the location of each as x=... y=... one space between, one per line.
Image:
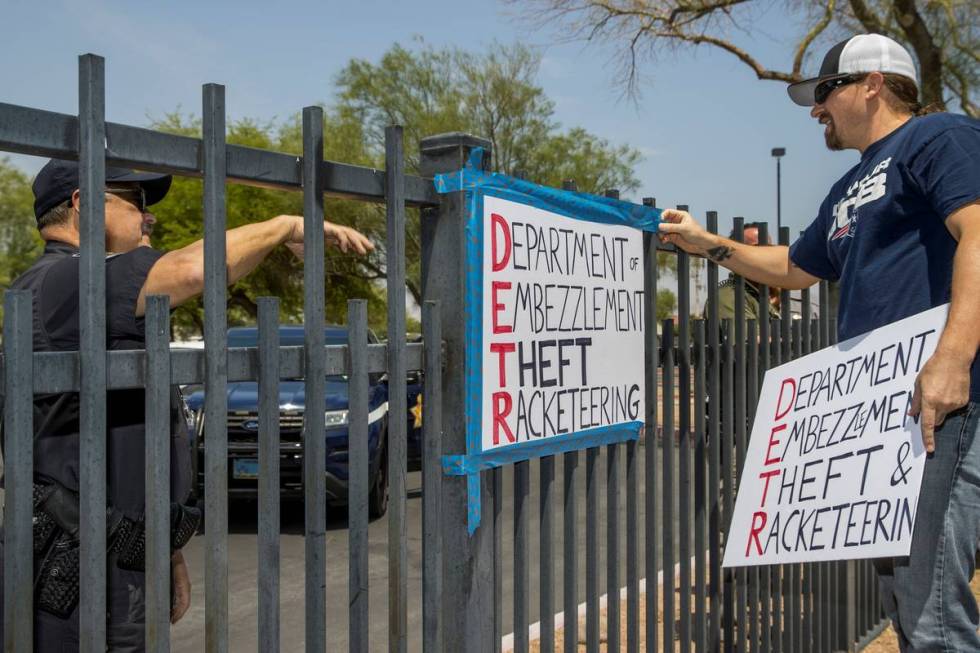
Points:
x=864 y=53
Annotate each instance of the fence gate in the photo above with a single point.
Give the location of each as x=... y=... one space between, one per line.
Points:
x=668 y=495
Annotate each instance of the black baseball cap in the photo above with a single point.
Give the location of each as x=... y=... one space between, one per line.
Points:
x=863 y=53
x=58 y=179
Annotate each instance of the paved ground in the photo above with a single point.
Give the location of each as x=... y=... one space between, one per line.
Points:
x=188 y=635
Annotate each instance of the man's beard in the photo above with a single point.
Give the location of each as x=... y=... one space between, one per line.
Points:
x=831 y=137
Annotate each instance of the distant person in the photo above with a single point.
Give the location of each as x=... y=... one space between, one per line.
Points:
x=726 y=289
x=901 y=232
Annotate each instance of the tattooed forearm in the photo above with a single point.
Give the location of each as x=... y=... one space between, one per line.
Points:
x=720 y=253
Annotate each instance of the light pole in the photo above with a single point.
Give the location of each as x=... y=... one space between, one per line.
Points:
x=778 y=152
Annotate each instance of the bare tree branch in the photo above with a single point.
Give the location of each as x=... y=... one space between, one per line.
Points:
x=941 y=33
x=814 y=32
x=930 y=61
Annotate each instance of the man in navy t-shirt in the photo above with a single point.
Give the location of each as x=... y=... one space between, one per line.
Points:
x=900 y=231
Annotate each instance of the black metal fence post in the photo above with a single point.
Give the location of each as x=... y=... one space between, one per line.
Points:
x=468 y=560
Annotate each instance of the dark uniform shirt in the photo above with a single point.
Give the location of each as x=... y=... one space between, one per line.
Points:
x=54 y=280
x=726 y=301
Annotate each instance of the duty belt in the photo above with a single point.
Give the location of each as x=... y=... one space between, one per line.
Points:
x=56 y=545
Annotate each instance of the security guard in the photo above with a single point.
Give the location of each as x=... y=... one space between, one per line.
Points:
x=133 y=271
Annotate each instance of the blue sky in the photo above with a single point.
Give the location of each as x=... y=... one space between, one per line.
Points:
x=704 y=124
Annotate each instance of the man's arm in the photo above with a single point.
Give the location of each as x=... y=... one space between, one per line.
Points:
x=770 y=265
x=943 y=384
x=180 y=273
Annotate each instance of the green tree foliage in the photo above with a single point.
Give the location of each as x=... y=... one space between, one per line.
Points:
x=666 y=304
x=180 y=221
x=19 y=241
x=493 y=95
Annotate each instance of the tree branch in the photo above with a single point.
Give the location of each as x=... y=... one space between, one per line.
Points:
x=760 y=71
x=810 y=36
x=930 y=59
x=868 y=19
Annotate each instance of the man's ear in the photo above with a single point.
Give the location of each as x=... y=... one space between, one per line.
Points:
x=76 y=204
x=873 y=84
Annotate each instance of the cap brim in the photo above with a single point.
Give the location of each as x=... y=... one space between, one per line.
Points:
x=802 y=92
x=156 y=186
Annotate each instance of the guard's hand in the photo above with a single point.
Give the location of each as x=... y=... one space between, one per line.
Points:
x=346 y=239
x=182 y=587
x=943 y=385
x=680 y=229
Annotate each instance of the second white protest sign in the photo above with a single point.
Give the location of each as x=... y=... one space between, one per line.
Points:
x=834 y=464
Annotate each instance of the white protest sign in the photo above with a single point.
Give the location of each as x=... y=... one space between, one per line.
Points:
x=834 y=465
x=562 y=327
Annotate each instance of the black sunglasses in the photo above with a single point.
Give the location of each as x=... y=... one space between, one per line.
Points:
x=823 y=90
x=135 y=196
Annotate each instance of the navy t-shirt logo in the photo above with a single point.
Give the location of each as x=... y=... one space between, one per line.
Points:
x=882 y=229
x=869 y=188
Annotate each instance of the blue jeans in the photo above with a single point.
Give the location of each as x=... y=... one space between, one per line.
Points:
x=927 y=594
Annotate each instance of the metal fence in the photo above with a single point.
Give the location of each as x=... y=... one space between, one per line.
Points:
x=669 y=495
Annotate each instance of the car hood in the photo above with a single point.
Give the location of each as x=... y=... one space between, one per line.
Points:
x=244 y=395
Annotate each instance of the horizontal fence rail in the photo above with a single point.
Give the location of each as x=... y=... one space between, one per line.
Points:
x=59 y=371
x=24 y=130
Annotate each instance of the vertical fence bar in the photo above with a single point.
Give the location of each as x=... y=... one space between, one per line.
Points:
x=797 y=605
x=522 y=476
x=700 y=487
x=780 y=629
x=569 y=551
x=18 y=429
x=570 y=535
x=92 y=336
x=751 y=398
x=546 y=557
x=612 y=534
x=714 y=452
x=216 y=372
x=612 y=547
x=497 y=479
x=742 y=574
x=633 y=532
x=684 y=430
x=269 y=508
x=819 y=577
x=668 y=483
x=314 y=444
x=432 y=481
x=809 y=569
x=157 y=473
x=765 y=572
x=728 y=474
x=632 y=553
x=651 y=356
x=790 y=611
x=358 y=469
x=826 y=604
x=591 y=551
x=468 y=580
x=397 y=376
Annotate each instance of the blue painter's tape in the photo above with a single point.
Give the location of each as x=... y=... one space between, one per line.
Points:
x=473 y=501
x=472 y=463
x=580 y=206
